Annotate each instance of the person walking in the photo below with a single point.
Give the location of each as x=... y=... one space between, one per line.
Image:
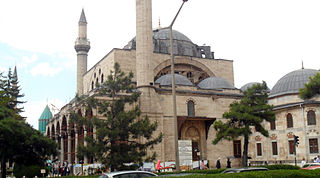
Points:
x=228 y=163
x=202 y=165
x=218 y=165
x=303 y=162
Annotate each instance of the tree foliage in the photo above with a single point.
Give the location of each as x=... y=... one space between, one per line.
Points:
x=122 y=135
x=244 y=115
x=20 y=143
x=311 y=88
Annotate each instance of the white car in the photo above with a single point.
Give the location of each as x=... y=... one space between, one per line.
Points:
x=128 y=174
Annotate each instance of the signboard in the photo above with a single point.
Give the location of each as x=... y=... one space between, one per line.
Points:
x=42 y=171
x=185 y=152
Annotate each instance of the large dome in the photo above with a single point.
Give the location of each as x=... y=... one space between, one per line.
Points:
x=215 y=83
x=292 y=82
x=166 y=80
x=182 y=45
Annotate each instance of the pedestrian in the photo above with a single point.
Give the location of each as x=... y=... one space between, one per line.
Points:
x=228 y=163
x=218 y=165
x=201 y=165
x=303 y=162
x=318 y=159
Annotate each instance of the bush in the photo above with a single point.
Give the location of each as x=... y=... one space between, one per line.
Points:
x=281 y=166
x=264 y=174
x=29 y=171
x=209 y=171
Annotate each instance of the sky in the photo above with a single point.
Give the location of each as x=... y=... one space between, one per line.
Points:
x=266 y=39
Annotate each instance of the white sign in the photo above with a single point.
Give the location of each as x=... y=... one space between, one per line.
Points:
x=185 y=152
x=43 y=171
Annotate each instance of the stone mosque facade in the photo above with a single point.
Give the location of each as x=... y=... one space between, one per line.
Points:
x=204 y=90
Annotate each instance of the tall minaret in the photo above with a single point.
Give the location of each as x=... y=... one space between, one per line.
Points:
x=82 y=47
x=144 y=40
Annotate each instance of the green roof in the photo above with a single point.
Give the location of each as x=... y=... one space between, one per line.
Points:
x=46 y=114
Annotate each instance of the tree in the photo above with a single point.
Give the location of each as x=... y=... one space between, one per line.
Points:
x=122 y=135
x=20 y=143
x=311 y=88
x=249 y=112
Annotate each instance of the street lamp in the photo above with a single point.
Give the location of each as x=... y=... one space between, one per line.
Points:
x=175 y=125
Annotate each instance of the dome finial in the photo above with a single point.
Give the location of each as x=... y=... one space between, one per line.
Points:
x=159 y=23
x=302 y=65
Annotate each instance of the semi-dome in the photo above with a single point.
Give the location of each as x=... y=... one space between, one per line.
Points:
x=215 y=83
x=166 y=80
x=182 y=45
x=248 y=85
x=292 y=82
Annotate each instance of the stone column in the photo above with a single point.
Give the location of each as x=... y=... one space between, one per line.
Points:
x=76 y=147
x=85 y=157
x=69 y=147
x=62 y=149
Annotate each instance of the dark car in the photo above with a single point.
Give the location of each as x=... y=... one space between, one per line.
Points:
x=128 y=174
x=245 y=169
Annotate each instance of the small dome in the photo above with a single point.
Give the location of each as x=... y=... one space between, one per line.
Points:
x=248 y=85
x=292 y=82
x=46 y=114
x=215 y=83
x=165 y=80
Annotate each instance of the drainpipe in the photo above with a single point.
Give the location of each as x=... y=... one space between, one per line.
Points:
x=305 y=133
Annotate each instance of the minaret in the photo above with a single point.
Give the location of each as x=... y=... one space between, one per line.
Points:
x=82 y=47
x=144 y=40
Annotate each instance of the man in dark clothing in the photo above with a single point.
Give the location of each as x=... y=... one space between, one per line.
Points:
x=218 y=165
x=228 y=163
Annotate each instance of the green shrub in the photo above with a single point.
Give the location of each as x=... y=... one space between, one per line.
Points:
x=281 y=166
x=209 y=171
x=264 y=174
x=29 y=171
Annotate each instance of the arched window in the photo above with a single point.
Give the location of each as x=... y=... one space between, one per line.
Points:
x=191 y=112
x=289 y=121
x=92 y=85
x=311 y=117
x=102 y=79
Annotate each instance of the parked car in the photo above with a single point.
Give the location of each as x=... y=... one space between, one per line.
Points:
x=312 y=166
x=245 y=169
x=128 y=174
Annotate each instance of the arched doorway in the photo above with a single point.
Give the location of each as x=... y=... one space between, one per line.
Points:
x=193 y=134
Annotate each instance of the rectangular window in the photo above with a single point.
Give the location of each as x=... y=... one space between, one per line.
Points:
x=259 y=149
x=273 y=125
x=237 y=148
x=274 y=148
x=313 y=144
x=291 y=147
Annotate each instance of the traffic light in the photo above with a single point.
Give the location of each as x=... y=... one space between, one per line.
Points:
x=296 y=140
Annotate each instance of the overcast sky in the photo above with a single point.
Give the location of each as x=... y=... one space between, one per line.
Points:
x=266 y=39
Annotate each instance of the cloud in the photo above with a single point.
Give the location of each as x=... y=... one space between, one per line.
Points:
x=31 y=59
x=45 y=69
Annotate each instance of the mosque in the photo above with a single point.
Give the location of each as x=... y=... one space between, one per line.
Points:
x=204 y=90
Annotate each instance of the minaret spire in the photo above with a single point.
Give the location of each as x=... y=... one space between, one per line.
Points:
x=82 y=47
x=302 y=65
x=83 y=17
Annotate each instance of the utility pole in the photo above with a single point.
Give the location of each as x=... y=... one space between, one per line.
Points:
x=296 y=143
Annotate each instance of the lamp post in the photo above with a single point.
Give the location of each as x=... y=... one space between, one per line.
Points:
x=175 y=125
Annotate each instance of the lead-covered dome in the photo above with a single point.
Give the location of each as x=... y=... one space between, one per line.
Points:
x=182 y=45
x=215 y=83
x=292 y=82
x=166 y=80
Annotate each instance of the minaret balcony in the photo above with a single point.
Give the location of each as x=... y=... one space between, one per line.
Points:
x=82 y=45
